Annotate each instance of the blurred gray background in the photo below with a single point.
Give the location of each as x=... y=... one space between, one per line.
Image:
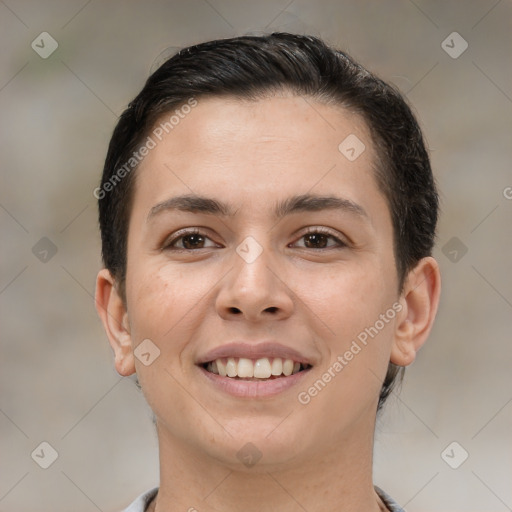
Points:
x=57 y=112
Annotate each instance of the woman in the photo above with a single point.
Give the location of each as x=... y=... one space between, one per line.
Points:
x=267 y=212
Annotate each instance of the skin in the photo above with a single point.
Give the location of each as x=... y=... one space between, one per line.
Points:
x=251 y=155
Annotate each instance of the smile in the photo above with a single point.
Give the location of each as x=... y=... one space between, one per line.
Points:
x=260 y=378
x=263 y=368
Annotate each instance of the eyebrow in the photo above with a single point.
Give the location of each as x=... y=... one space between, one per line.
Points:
x=296 y=204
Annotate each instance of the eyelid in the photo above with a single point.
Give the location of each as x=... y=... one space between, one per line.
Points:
x=341 y=240
x=176 y=236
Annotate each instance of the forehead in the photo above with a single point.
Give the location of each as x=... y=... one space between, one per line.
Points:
x=254 y=149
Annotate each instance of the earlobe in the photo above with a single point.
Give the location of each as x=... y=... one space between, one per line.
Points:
x=113 y=314
x=420 y=300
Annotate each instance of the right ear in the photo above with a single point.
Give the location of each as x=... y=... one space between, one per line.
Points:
x=112 y=311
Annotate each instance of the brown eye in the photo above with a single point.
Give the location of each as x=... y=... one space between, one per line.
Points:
x=315 y=240
x=192 y=241
x=189 y=241
x=319 y=239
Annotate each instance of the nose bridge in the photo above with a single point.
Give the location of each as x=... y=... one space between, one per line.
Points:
x=252 y=288
x=251 y=268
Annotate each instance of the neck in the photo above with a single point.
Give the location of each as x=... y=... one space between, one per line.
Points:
x=337 y=477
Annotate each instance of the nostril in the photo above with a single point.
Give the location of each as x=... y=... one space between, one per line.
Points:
x=272 y=309
x=234 y=310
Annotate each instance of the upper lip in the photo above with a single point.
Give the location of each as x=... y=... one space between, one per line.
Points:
x=254 y=350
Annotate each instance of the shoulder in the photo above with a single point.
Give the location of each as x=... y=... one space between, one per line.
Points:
x=141 y=503
x=390 y=503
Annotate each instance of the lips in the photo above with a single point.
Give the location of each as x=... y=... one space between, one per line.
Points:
x=253 y=370
x=255 y=351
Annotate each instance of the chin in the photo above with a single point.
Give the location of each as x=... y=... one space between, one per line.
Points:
x=259 y=446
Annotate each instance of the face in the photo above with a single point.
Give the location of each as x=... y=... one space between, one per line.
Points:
x=282 y=248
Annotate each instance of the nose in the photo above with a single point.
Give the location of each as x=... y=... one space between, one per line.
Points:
x=255 y=291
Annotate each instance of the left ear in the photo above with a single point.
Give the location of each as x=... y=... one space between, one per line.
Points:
x=420 y=300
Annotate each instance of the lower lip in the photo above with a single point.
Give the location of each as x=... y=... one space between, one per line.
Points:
x=252 y=388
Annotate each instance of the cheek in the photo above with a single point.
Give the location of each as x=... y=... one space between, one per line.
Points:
x=167 y=304
x=348 y=298
x=157 y=299
x=348 y=305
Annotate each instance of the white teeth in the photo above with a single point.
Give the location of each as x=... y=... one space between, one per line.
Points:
x=221 y=367
x=288 y=367
x=277 y=366
x=245 y=367
x=231 y=367
x=262 y=368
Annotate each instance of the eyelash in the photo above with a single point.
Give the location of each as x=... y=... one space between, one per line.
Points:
x=168 y=245
x=324 y=231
